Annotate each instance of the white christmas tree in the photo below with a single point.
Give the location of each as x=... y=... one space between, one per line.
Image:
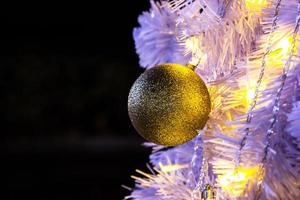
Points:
x=247 y=52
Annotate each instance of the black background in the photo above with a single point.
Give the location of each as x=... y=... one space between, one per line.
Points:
x=65 y=73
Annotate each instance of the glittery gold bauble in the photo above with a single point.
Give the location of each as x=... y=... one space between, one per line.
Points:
x=168 y=103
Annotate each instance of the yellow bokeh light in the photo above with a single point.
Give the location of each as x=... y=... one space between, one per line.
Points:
x=285 y=44
x=277 y=57
x=235 y=181
x=246 y=93
x=256 y=5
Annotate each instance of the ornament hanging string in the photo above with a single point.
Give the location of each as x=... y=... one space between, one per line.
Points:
x=276 y=106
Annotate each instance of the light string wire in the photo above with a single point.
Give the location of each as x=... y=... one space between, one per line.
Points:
x=276 y=106
x=258 y=82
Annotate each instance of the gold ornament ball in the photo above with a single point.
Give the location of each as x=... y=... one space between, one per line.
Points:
x=168 y=103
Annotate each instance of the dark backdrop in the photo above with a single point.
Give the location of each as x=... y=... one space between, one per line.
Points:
x=65 y=73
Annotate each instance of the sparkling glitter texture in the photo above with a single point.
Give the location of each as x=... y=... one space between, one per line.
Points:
x=168 y=104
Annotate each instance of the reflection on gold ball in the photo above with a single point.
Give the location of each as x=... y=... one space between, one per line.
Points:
x=168 y=103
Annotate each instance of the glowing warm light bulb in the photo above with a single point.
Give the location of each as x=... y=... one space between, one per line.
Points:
x=277 y=57
x=234 y=182
x=250 y=95
x=247 y=93
x=285 y=45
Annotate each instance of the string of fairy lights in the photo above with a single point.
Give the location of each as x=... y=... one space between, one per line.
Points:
x=201 y=184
